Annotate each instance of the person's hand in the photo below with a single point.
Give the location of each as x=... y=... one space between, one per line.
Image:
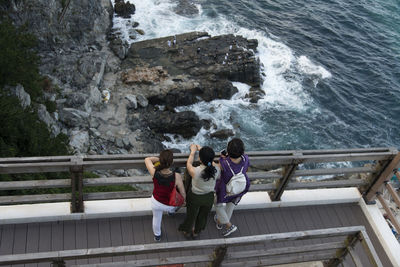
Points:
x=193 y=148
x=198 y=147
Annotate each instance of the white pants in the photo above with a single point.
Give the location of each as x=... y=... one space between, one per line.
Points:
x=158 y=208
x=224 y=212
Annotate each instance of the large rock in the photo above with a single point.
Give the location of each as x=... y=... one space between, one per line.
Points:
x=51 y=123
x=79 y=141
x=197 y=67
x=186 y=8
x=185 y=123
x=74 y=118
x=19 y=91
x=124 y=9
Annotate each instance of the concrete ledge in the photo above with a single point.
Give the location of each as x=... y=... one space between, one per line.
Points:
x=382 y=231
x=142 y=206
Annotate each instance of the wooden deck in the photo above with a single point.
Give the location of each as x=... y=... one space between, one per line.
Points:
x=107 y=232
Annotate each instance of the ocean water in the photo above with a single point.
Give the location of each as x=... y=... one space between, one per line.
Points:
x=331 y=70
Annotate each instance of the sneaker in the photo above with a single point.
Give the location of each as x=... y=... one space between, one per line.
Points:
x=229 y=230
x=157 y=238
x=219 y=226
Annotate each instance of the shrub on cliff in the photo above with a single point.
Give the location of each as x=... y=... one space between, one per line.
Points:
x=19 y=62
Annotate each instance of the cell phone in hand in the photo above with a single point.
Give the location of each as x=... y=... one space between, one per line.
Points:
x=223 y=152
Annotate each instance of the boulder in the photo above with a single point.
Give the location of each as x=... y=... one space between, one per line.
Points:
x=48 y=120
x=79 y=141
x=124 y=9
x=74 y=117
x=142 y=100
x=222 y=134
x=185 y=123
x=19 y=92
x=186 y=8
x=132 y=102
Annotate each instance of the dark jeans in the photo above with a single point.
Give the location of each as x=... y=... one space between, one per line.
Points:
x=197 y=209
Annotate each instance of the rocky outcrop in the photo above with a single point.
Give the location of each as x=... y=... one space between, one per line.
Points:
x=144 y=82
x=124 y=9
x=186 y=8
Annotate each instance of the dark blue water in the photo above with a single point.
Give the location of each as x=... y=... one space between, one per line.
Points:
x=356 y=42
x=359 y=44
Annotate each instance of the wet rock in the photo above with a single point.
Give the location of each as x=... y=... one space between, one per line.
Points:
x=119 y=47
x=186 y=8
x=139 y=31
x=185 y=123
x=124 y=9
x=222 y=134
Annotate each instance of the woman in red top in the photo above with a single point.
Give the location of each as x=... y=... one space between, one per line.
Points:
x=164 y=181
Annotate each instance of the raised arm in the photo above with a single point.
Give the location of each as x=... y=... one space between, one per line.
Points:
x=189 y=163
x=149 y=162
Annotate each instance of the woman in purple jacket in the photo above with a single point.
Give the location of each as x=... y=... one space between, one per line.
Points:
x=234 y=160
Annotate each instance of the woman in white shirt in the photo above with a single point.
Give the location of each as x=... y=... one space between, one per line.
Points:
x=200 y=198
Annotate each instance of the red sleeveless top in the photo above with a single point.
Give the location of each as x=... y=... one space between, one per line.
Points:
x=163 y=186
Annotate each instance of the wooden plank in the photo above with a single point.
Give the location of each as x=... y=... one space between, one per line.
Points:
x=355 y=258
x=81 y=239
x=61 y=183
x=162 y=246
x=93 y=238
x=104 y=237
x=34 y=198
x=285 y=250
x=393 y=193
x=333 y=171
x=371 y=252
x=138 y=233
x=127 y=235
x=34 y=167
x=116 y=236
x=284 y=259
x=326 y=184
x=276 y=194
x=19 y=240
x=57 y=236
x=389 y=212
x=65 y=159
x=69 y=238
x=116 y=195
x=32 y=241
x=383 y=176
x=7 y=239
x=44 y=240
x=157 y=261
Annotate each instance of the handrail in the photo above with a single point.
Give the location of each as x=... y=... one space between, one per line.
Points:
x=331 y=251
x=293 y=164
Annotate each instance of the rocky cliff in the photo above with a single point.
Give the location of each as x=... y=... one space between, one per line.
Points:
x=112 y=99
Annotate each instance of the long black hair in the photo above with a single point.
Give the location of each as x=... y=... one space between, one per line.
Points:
x=166 y=158
x=207 y=155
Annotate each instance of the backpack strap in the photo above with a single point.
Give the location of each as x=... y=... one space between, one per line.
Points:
x=241 y=170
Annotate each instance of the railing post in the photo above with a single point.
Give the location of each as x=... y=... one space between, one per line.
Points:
x=384 y=175
x=388 y=212
x=76 y=170
x=287 y=175
x=219 y=255
x=393 y=193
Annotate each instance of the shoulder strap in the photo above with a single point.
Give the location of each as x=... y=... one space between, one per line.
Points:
x=241 y=170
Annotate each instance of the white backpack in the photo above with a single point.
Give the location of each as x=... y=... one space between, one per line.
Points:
x=237 y=184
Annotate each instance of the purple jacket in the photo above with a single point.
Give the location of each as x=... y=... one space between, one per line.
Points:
x=226 y=175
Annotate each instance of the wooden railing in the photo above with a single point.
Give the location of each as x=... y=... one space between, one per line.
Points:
x=218 y=253
x=272 y=171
